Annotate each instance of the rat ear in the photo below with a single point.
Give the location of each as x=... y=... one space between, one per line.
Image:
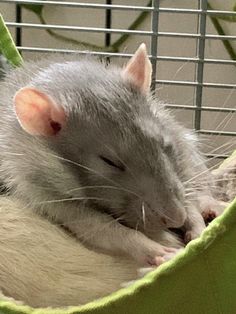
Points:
x=37 y=113
x=139 y=69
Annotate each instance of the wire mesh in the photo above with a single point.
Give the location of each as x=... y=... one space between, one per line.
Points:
x=199 y=87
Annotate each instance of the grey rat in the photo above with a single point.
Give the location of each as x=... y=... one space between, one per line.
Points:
x=92 y=149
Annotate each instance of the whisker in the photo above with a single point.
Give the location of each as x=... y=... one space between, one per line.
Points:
x=72 y=199
x=86 y=236
x=143 y=215
x=218 y=114
x=73 y=222
x=201 y=173
x=205 y=161
x=188 y=194
x=225 y=179
x=192 y=199
x=14 y=154
x=97 y=173
x=103 y=187
x=229 y=143
x=83 y=167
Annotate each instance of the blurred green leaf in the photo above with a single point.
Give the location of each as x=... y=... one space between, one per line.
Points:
x=35 y=8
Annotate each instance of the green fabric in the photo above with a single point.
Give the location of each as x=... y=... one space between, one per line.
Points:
x=200 y=280
x=226 y=161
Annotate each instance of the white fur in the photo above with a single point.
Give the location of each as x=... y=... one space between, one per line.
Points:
x=43 y=266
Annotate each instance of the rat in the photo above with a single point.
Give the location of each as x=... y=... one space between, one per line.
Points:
x=43 y=266
x=91 y=148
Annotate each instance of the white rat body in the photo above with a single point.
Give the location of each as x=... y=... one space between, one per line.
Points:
x=43 y=266
x=91 y=149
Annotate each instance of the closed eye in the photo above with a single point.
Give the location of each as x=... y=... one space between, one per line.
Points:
x=168 y=148
x=112 y=163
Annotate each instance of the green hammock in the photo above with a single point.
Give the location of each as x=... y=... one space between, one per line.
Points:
x=200 y=280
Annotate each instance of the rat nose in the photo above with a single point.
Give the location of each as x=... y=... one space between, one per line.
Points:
x=174 y=221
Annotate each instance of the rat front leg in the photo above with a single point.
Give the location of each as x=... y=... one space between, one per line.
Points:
x=194 y=224
x=146 y=251
x=197 y=219
x=100 y=231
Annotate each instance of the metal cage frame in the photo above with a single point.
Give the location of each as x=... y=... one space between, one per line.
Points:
x=202 y=12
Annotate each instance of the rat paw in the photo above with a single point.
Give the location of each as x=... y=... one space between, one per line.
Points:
x=191 y=235
x=158 y=260
x=209 y=215
x=150 y=253
x=211 y=208
x=165 y=254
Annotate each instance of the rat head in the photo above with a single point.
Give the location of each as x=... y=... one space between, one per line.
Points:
x=119 y=148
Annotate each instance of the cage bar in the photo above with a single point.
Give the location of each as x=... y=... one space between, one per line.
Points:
x=118 y=31
x=200 y=65
x=156 y=8
x=154 y=41
x=121 y=7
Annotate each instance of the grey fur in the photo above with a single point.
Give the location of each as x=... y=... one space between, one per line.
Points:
x=109 y=117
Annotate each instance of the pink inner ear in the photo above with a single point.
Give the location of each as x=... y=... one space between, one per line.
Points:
x=139 y=69
x=37 y=112
x=136 y=70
